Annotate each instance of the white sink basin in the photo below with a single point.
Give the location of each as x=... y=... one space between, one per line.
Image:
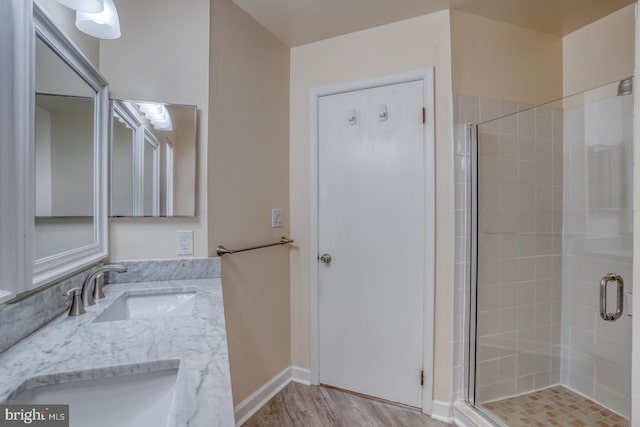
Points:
x=149 y=306
x=133 y=400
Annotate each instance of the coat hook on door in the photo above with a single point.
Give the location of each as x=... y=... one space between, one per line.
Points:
x=351 y=117
x=382 y=113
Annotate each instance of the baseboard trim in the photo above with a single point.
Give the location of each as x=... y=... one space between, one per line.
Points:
x=249 y=406
x=301 y=375
x=442 y=411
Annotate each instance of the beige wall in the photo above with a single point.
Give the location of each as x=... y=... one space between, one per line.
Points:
x=406 y=45
x=497 y=60
x=248 y=176
x=65 y=19
x=150 y=63
x=599 y=53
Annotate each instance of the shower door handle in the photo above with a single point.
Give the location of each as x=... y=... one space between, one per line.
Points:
x=611 y=277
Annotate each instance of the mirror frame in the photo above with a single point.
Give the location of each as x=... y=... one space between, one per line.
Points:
x=120 y=108
x=149 y=138
x=49 y=269
x=165 y=186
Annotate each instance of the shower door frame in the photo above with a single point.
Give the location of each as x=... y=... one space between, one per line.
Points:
x=471 y=143
x=471 y=297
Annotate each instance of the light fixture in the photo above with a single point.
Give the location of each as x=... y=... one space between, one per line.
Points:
x=625 y=87
x=88 y=6
x=157 y=114
x=103 y=25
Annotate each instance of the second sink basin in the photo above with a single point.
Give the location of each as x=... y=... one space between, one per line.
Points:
x=149 y=305
x=133 y=400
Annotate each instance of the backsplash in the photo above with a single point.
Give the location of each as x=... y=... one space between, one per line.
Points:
x=24 y=317
x=171 y=269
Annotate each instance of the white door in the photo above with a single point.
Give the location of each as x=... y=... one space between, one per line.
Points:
x=371 y=220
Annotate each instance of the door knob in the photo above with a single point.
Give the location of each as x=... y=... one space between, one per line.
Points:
x=325 y=259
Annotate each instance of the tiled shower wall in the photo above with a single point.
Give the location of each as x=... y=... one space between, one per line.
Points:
x=520 y=246
x=556 y=216
x=598 y=154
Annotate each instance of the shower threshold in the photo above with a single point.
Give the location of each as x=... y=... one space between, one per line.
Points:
x=555 y=406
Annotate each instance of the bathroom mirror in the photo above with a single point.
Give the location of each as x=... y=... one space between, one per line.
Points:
x=69 y=174
x=153 y=159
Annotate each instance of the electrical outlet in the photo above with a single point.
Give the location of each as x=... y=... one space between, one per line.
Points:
x=184 y=242
x=277 y=218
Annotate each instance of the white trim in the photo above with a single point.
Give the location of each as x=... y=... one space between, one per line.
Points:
x=256 y=400
x=170 y=172
x=150 y=138
x=49 y=269
x=425 y=75
x=126 y=112
x=17 y=124
x=442 y=411
x=301 y=375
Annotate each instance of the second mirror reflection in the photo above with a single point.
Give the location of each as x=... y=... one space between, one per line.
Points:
x=153 y=159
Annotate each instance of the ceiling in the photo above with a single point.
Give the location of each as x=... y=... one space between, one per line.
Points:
x=297 y=22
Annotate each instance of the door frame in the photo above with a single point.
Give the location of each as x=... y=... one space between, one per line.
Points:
x=426 y=75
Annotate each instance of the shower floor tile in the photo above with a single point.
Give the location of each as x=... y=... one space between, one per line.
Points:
x=555 y=406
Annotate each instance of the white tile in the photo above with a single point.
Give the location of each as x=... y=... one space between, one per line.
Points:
x=508 y=146
x=527 y=172
x=468 y=112
x=527 y=295
x=488 y=322
x=508 y=249
x=544 y=122
x=487 y=372
x=619 y=403
x=507 y=368
x=526 y=245
x=508 y=295
x=526 y=148
x=508 y=319
x=508 y=173
x=525 y=384
x=526 y=342
x=543 y=314
x=486 y=350
x=508 y=125
x=542 y=380
x=543 y=291
x=526 y=364
x=613 y=377
x=582 y=341
x=527 y=123
x=527 y=268
x=489 y=272
x=544 y=149
x=508 y=270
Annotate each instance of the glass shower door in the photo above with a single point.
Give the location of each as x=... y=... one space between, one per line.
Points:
x=553 y=203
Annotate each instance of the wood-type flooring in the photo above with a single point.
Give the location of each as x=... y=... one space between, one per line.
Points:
x=299 y=405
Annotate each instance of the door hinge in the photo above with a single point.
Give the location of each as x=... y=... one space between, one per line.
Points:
x=424 y=115
x=422 y=377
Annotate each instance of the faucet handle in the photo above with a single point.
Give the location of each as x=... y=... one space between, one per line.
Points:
x=76 y=308
x=97 y=287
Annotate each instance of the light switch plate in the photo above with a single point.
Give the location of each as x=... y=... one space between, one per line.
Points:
x=184 y=242
x=277 y=218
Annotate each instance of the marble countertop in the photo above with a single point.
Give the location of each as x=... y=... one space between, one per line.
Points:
x=72 y=348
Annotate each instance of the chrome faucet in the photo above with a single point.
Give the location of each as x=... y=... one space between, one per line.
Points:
x=88 y=287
